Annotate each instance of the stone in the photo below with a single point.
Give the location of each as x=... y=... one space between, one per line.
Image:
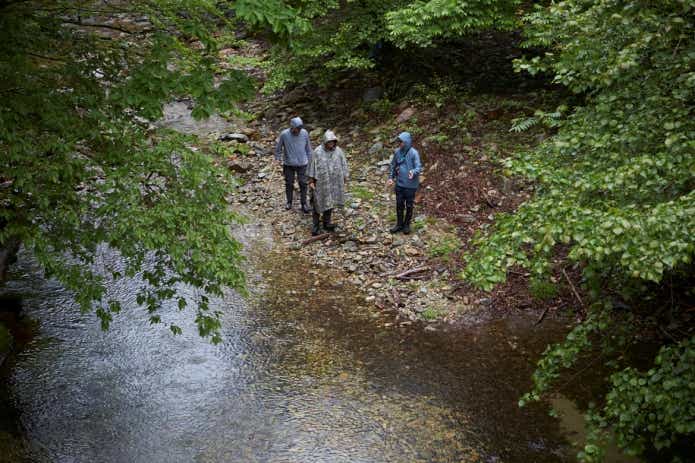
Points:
x=411 y=251
x=316 y=133
x=375 y=148
x=238 y=137
x=240 y=166
x=406 y=115
x=251 y=133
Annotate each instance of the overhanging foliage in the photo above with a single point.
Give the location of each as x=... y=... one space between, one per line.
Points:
x=80 y=166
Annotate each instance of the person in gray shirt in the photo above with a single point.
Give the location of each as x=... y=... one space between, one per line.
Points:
x=293 y=150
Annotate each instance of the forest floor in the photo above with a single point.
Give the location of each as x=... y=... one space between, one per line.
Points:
x=462 y=137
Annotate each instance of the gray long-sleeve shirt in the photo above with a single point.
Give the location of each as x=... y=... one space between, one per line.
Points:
x=296 y=148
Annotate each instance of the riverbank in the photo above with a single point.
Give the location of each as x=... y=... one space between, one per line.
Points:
x=462 y=138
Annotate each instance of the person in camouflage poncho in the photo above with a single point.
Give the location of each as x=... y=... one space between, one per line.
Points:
x=327 y=173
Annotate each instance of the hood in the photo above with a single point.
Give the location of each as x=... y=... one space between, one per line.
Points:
x=296 y=122
x=329 y=136
x=407 y=140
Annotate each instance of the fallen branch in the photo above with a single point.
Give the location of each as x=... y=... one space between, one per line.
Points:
x=320 y=237
x=574 y=290
x=402 y=275
x=540 y=319
x=413 y=277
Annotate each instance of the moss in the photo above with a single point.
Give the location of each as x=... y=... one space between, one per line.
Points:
x=362 y=193
x=445 y=247
x=543 y=289
x=430 y=314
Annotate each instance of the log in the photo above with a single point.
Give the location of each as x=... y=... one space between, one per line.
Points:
x=320 y=237
x=402 y=275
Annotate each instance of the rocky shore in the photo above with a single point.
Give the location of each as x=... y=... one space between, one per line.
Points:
x=416 y=276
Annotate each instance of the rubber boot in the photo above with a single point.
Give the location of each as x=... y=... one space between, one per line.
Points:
x=289 y=192
x=327 y=225
x=316 y=226
x=399 y=221
x=407 y=220
x=302 y=196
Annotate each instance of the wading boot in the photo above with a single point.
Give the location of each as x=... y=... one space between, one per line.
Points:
x=315 y=227
x=289 y=192
x=302 y=196
x=399 y=221
x=327 y=225
x=407 y=220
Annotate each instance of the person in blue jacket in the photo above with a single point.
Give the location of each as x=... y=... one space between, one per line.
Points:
x=293 y=151
x=405 y=174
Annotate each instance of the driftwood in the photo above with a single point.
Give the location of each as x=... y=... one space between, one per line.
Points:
x=320 y=237
x=407 y=273
x=574 y=290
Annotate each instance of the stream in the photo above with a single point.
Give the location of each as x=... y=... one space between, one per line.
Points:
x=307 y=372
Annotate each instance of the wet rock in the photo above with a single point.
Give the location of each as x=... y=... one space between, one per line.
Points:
x=316 y=133
x=238 y=137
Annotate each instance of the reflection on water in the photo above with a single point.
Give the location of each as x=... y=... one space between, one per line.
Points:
x=572 y=422
x=305 y=375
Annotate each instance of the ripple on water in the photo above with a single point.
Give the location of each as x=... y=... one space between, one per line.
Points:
x=300 y=377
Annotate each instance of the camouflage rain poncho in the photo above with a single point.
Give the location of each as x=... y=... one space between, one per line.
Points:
x=330 y=171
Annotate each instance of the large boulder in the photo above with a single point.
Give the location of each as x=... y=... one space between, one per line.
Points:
x=239 y=137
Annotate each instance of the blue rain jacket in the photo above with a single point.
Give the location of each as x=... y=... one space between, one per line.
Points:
x=406 y=160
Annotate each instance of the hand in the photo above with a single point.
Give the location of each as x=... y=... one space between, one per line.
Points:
x=390 y=182
x=410 y=174
x=312 y=185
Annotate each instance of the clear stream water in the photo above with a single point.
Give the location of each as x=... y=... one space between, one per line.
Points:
x=306 y=373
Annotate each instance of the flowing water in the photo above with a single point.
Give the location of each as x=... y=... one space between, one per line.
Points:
x=306 y=373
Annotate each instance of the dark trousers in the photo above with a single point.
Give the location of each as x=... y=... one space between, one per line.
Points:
x=318 y=216
x=290 y=172
x=405 y=199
